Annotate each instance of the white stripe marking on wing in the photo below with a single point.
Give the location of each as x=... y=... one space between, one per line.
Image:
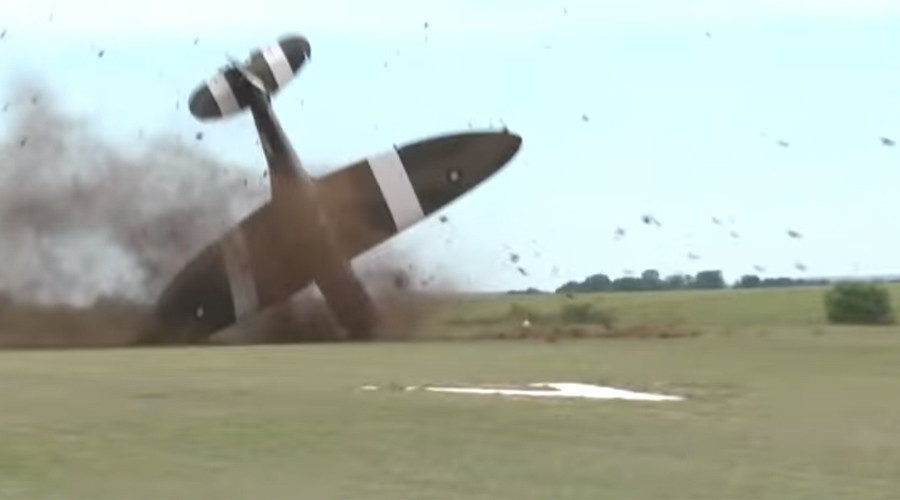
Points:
x=396 y=188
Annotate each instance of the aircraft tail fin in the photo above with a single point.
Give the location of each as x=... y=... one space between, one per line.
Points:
x=269 y=68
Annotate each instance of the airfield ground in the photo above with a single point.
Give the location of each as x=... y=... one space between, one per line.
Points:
x=780 y=405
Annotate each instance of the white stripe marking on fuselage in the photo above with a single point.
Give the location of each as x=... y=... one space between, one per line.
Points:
x=278 y=64
x=223 y=94
x=240 y=273
x=396 y=188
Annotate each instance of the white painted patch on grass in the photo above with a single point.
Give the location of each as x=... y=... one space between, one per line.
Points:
x=552 y=390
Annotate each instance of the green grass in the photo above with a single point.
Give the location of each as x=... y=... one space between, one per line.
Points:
x=779 y=406
x=715 y=309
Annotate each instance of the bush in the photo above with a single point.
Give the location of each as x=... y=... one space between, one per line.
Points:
x=859 y=303
x=585 y=313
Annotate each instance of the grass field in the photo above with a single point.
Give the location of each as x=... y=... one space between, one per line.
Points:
x=780 y=405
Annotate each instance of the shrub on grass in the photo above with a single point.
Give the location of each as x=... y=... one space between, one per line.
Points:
x=859 y=303
x=585 y=313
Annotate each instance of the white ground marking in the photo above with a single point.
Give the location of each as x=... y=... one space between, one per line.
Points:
x=240 y=274
x=223 y=95
x=396 y=188
x=551 y=390
x=278 y=64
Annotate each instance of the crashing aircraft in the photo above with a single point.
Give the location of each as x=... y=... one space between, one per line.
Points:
x=310 y=229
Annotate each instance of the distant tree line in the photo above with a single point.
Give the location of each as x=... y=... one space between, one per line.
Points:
x=651 y=280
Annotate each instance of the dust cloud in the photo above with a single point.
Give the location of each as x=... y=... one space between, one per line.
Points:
x=83 y=219
x=93 y=230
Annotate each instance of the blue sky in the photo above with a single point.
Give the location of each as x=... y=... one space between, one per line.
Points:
x=680 y=125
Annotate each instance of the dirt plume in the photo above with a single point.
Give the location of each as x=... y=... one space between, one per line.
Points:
x=92 y=230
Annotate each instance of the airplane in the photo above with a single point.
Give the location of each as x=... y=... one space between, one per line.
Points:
x=310 y=230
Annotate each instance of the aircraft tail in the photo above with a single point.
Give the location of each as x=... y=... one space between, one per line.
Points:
x=273 y=67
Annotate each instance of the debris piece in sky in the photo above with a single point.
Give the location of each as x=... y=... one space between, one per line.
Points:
x=196 y=41
x=3 y=33
x=426 y=24
x=23 y=142
x=100 y=54
x=716 y=220
x=5 y=107
x=245 y=182
x=584 y=118
x=514 y=258
x=759 y=268
x=794 y=234
x=50 y=19
x=693 y=256
x=620 y=232
x=443 y=219
x=649 y=219
x=385 y=64
x=34 y=99
x=199 y=136
x=522 y=271
x=800 y=266
x=708 y=35
x=733 y=234
x=783 y=143
x=887 y=142
x=177 y=105
x=565 y=11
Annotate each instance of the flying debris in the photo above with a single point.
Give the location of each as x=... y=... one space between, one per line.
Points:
x=101 y=53
x=759 y=268
x=426 y=24
x=649 y=219
x=708 y=35
x=782 y=143
x=5 y=107
x=308 y=232
x=35 y=98
x=716 y=220
x=23 y=142
x=199 y=136
x=733 y=234
x=693 y=256
x=620 y=232
x=196 y=40
x=800 y=266
x=3 y=34
x=887 y=142
x=585 y=118
x=794 y=234
x=514 y=258
x=443 y=219
x=522 y=271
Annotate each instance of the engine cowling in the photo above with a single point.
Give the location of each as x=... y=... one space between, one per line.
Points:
x=274 y=65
